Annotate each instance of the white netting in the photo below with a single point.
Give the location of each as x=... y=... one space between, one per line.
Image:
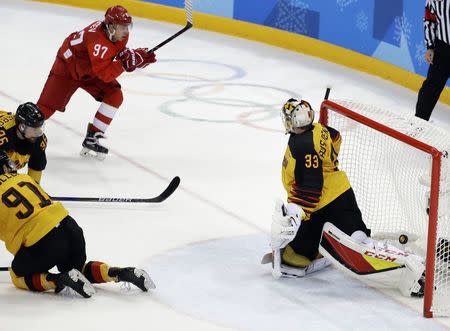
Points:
x=385 y=172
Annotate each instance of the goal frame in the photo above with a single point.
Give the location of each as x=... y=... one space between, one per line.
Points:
x=436 y=156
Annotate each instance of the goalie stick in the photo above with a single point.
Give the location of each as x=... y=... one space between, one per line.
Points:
x=4 y=269
x=160 y=198
x=188 y=9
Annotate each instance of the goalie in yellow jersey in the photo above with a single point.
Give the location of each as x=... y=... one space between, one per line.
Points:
x=41 y=235
x=321 y=222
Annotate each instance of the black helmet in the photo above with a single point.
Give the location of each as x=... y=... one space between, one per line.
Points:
x=30 y=115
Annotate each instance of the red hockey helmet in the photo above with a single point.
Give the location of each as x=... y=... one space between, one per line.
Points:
x=117 y=15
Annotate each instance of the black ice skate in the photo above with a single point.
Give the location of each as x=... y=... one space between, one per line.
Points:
x=73 y=280
x=137 y=277
x=91 y=146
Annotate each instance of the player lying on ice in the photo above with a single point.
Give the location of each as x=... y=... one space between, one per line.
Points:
x=41 y=235
x=322 y=223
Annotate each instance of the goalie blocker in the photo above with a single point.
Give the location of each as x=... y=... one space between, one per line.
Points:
x=363 y=256
x=286 y=220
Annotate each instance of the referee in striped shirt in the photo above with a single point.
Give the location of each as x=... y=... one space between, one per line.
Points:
x=437 y=39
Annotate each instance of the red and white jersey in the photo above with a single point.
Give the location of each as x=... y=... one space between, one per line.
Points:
x=90 y=54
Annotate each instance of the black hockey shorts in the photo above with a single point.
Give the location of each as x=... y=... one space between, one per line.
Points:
x=343 y=212
x=63 y=246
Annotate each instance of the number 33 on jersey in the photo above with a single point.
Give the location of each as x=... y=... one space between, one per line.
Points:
x=28 y=213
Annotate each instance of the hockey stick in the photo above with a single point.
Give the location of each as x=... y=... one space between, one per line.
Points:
x=160 y=198
x=188 y=9
x=327 y=93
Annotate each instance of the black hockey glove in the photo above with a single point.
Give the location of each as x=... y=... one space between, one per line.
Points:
x=6 y=164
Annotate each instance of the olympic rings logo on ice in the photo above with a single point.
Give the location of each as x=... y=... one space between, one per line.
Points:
x=216 y=99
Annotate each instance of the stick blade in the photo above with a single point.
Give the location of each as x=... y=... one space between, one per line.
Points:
x=173 y=185
x=267 y=258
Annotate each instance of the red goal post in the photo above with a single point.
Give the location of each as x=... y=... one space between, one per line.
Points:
x=384 y=155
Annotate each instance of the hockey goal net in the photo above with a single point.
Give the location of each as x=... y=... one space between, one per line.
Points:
x=399 y=169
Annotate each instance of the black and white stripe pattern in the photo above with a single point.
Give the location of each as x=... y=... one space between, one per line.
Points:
x=188 y=9
x=437 y=22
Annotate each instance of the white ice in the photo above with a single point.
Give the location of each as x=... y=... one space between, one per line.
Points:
x=207 y=111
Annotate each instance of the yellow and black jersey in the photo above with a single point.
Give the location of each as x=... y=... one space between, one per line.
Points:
x=26 y=212
x=310 y=170
x=21 y=151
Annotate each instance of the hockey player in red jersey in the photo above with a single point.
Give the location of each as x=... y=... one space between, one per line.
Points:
x=92 y=59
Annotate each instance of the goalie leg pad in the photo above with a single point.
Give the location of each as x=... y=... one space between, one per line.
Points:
x=345 y=252
x=368 y=256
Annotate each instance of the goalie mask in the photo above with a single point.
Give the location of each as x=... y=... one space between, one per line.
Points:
x=296 y=115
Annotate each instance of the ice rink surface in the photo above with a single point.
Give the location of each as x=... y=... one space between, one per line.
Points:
x=207 y=111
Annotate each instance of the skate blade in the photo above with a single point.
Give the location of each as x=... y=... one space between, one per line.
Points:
x=149 y=284
x=87 y=153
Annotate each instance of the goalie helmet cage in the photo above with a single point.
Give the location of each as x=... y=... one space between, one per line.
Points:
x=385 y=155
